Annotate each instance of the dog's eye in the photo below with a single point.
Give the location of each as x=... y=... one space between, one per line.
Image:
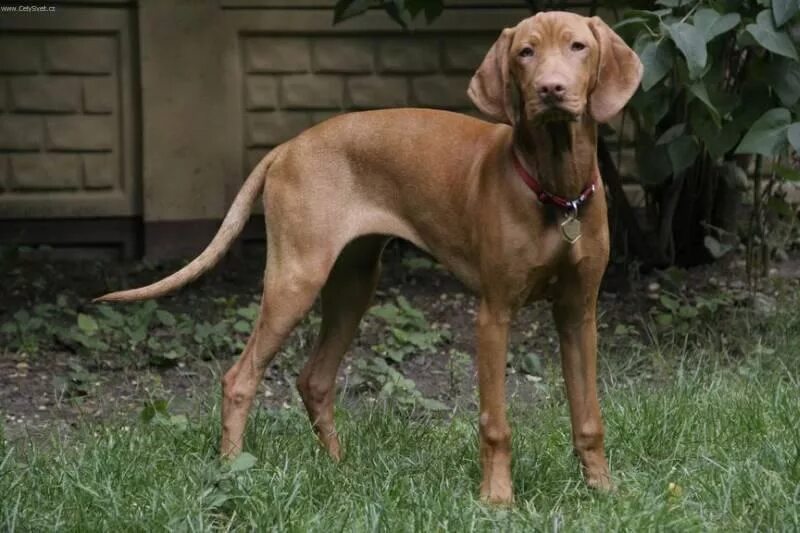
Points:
x=526 y=52
x=577 y=47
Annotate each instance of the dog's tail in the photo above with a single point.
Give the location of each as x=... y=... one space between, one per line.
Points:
x=231 y=226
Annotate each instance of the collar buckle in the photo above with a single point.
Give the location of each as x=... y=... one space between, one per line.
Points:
x=569 y=206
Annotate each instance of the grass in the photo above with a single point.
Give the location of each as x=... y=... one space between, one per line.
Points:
x=710 y=450
x=702 y=434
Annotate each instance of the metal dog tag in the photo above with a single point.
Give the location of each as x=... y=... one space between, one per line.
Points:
x=571 y=229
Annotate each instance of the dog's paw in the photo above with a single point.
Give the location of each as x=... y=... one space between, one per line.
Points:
x=497 y=494
x=600 y=482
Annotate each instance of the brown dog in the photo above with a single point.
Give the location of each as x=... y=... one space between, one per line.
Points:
x=461 y=189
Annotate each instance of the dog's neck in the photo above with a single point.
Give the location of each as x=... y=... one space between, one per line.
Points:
x=561 y=155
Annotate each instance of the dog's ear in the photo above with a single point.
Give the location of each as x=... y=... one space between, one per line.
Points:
x=490 y=87
x=619 y=72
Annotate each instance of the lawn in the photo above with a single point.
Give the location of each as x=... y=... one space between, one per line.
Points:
x=700 y=395
x=715 y=450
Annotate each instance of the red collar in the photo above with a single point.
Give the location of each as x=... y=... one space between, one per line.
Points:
x=550 y=198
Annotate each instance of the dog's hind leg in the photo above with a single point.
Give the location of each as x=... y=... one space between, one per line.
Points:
x=291 y=284
x=345 y=297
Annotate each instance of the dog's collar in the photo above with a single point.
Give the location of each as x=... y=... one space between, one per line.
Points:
x=549 y=198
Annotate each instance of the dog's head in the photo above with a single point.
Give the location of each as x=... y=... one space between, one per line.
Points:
x=556 y=66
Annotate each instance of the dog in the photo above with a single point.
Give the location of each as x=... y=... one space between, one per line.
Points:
x=515 y=209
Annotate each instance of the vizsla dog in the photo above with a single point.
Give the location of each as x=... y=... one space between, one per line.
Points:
x=515 y=210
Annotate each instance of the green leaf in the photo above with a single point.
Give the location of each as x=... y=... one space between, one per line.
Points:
x=653 y=162
x=388 y=312
x=716 y=248
x=793 y=134
x=712 y=24
x=167 y=358
x=529 y=363
x=87 y=324
x=698 y=89
x=672 y=133
x=397 y=11
x=153 y=408
x=718 y=141
x=432 y=405
x=664 y=319
x=249 y=312
x=346 y=9
x=788 y=174
x=657 y=61
x=682 y=152
x=629 y=21
x=433 y=9
x=241 y=326
x=651 y=15
x=676 y=3
x=217 y=498
x=765 y=34
x=758 y=101
x=781 y=207
x=669 y=302
x=783 y=10
x=245 y=461
x=692 y=44
x=165 y=317
x=652 y=105
x=767 y=135
x=784 y=78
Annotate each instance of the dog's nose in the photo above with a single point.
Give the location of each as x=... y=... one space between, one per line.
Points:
x=551 y=90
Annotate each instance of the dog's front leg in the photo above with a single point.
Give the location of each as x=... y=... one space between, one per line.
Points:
x=575 y=315
x=495 y=433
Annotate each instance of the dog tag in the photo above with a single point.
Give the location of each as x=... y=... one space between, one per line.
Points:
x=571 y=229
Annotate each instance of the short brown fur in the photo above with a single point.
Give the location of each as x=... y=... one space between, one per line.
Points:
x=335 y=194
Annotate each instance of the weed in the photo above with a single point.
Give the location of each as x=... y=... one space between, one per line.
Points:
x=138 y=333
x=409 y=331
x=375 y=374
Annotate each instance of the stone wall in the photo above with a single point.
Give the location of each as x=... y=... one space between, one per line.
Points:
x=66 y=116
x=291 y=83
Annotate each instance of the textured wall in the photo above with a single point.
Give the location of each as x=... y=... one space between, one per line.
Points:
x=291 y=83
x=66 y=147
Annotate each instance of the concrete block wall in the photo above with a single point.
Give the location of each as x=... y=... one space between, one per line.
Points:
x=57 y=129
x=292 y=83
x=67 y=143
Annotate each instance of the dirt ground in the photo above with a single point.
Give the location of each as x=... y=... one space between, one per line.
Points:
x=117 y=389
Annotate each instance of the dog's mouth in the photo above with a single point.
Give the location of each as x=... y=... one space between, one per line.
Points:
x=543 y=113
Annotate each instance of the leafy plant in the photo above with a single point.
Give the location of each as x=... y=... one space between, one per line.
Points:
x=402 y=11
x=29 y=328
x=526 y=362
x=409 y=331
x=140 y=332
x=459 y=365
x=683 y=311
x=228 y=482
x=721 y=86
x=156 y=412
x=78 y=381
x=375 y=374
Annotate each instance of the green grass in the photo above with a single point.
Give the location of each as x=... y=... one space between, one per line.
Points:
x=728 y=441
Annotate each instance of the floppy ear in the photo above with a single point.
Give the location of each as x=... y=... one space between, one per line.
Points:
x=619 y=72
x=490 y=88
